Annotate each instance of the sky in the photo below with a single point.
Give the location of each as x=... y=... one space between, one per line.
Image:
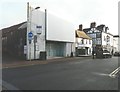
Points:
x=76 y=11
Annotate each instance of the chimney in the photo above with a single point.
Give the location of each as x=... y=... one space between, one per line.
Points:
x=93 y=25
x=80 y=27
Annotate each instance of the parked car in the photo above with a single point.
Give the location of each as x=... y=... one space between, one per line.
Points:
x=117 y=54
x=106 y=54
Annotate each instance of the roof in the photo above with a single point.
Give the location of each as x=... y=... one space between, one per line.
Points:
x=86 y=30
x=100 y=27
x=117 y=36
x=110 y=34
x=82 y=34
x=13 y=28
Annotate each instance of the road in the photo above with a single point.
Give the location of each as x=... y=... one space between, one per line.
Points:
x=86 y=74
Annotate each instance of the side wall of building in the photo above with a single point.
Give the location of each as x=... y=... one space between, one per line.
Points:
x=36 y=25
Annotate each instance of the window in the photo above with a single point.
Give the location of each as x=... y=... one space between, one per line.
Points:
x=98 y=35
x=89 y=50
x=94 y=41
x=104 y=38
x=82 y=41
x=108 y=38
x=98 y=40
x=89 y=41
x=86 y=41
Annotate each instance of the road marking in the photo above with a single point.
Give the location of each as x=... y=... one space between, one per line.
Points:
x=114 y=73
x=101 y=74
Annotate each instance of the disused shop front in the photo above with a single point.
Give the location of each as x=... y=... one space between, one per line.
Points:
x=55 y=49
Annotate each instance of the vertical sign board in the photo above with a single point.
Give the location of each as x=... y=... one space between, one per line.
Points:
x=39 y=29
x=30 y=35
x=25 y=49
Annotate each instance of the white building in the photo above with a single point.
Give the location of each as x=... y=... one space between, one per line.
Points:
x=101 y=38
x=83 y=43
x=50 y=34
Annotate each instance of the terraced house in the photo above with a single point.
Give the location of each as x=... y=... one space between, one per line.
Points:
x=83 y=43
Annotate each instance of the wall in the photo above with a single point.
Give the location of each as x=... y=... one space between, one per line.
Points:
x=37 y=23
x=104 y=42
x=117 y=43
x=79 y=45
x=59 y=29
x=79 y=42
x=107 y=45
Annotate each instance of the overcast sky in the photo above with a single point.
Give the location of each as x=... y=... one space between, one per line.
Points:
x=76 y=11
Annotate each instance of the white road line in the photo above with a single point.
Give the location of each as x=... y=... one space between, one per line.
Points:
x=113 y=74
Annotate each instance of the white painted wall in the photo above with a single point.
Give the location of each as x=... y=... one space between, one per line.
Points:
x=117 y=44
x=79 y=44
x=107 y=45
x=37 y=18
x=59 y=29
x=104 y=41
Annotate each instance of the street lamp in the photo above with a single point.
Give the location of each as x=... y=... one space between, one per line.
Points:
x=37 y=7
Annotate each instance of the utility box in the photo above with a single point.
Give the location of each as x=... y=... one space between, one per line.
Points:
x=42 y=55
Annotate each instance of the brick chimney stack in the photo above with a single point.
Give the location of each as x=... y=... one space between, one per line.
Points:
x=93 y=25
x=80 y=27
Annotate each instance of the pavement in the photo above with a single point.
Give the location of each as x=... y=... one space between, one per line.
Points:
x=20 y=63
